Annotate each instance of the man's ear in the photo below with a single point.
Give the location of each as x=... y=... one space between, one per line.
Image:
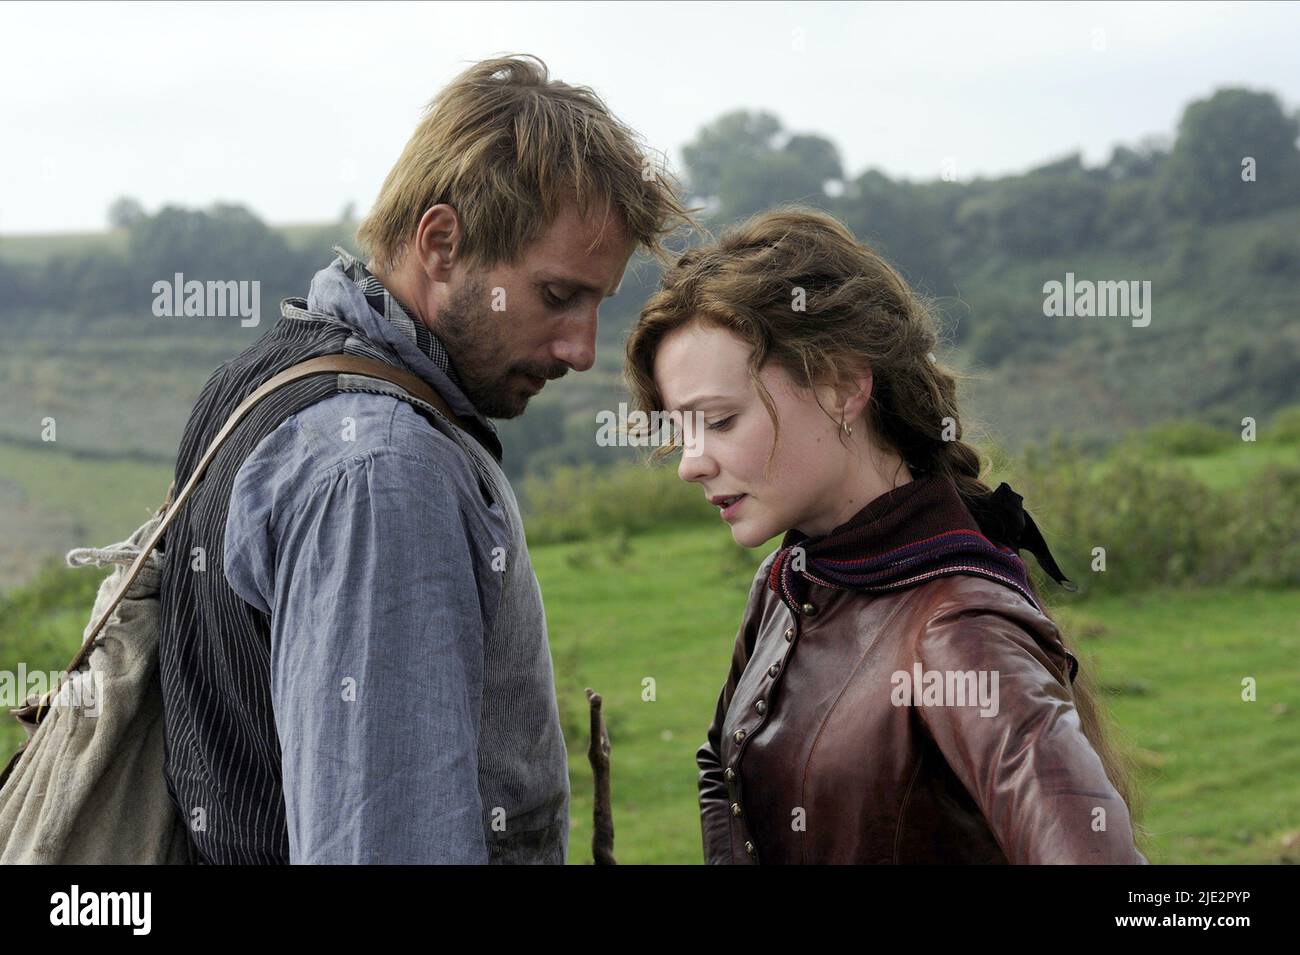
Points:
x=437 y=239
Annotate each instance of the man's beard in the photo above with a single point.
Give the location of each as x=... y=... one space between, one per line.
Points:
x=470 y=331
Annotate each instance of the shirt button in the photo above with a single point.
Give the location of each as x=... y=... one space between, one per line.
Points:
x=735 y=809
x=774 y=669
x=809 y=610
x=789 y=634
x=729 y=775
x=738 y=736
x=760 y=706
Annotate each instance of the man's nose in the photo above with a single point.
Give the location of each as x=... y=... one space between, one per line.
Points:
x=577 y=347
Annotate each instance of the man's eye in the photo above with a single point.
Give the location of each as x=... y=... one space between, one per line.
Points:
x=722 y=425
x=554 y=300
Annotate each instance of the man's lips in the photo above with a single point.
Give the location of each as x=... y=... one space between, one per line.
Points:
x=539 y=381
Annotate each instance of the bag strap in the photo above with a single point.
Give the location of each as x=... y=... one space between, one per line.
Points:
x=335 y=364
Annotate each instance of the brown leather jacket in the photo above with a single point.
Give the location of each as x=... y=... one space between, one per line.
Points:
x=815 y=756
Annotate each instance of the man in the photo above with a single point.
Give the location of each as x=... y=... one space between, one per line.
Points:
x=362 y=674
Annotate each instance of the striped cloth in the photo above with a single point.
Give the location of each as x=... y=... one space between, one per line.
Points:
x=386 y=304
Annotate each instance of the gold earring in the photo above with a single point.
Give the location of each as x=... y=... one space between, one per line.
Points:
x=848 y=428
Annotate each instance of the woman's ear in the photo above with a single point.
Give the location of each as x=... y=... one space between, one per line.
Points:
x=856 y=402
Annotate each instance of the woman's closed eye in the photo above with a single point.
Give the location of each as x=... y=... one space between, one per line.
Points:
x=723 y=424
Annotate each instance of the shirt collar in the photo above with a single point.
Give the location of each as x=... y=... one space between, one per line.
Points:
x=346 y=291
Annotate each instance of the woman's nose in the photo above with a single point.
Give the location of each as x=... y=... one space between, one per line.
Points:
x=695 y=467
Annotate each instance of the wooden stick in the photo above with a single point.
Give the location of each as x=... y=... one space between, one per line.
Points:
x=602 y=834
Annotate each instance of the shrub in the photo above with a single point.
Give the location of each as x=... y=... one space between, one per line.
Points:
x=1283 y=427
x=1182 y=439
x=1260 y=544
x=1274 y=255
x=1158 y=524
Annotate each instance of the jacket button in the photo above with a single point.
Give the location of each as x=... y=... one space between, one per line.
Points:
x=738 y=736
x=749 y=847
x=735 y=809
x=789 y=634
x=774 y=669
x=809 y=610
x=760 y=706
x=729 y=775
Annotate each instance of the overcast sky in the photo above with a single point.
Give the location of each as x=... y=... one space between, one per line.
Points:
x=296 y=109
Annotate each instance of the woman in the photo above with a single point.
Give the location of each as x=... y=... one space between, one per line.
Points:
x=897 y=692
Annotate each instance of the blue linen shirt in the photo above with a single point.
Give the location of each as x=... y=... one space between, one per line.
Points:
x=345 y=528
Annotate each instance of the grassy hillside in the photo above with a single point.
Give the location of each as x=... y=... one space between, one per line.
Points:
x=55 y=500
x=1222 y=343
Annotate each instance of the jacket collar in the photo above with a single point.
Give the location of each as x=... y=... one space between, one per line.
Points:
x=911 y=534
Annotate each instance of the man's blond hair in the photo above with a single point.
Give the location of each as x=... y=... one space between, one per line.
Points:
x=507 y=148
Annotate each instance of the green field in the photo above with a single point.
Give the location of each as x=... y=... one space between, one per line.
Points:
x=1228 y=468
x=54 y=500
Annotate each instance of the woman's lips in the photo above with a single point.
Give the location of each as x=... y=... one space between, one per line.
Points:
x=729 y=511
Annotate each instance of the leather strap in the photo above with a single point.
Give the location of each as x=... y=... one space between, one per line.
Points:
x=332 y=364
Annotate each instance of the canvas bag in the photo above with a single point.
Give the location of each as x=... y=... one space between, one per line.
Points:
x=88 y=786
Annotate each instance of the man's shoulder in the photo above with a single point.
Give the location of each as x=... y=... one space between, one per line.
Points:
x=349 y=427
x=378 y=457
x=348 y=431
